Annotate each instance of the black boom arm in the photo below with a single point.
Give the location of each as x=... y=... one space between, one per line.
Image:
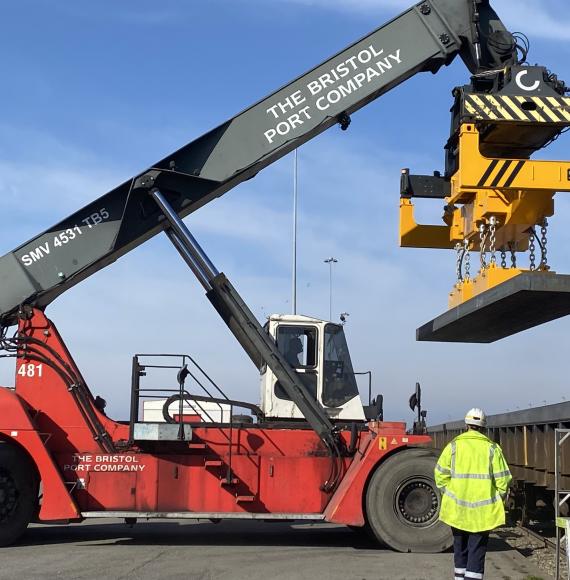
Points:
x=424 y=38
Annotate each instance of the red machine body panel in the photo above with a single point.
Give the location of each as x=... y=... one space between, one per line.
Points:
x=17 y=426
x=277 y=469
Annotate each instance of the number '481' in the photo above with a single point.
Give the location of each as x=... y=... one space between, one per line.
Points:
x=31 y=370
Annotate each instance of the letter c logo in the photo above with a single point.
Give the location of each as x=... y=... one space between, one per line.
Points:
x=524 y=87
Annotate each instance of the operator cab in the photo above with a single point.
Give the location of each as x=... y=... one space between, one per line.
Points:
x=318 y=352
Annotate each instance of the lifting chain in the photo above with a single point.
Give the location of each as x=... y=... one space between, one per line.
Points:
x=467 y=259
x=458 y=260
x=483 y=239
x=503 y=258
x=543 y=241
x=512 y=248
x=492 y=232
x=532 y=248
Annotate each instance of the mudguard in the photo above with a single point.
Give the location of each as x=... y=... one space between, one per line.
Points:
x=16 y=427
x=383 y=440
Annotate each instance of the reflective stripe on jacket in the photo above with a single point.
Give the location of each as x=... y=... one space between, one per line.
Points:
x=473 y=478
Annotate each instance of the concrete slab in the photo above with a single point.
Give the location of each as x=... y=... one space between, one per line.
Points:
x=230 y=550
x=525 y=301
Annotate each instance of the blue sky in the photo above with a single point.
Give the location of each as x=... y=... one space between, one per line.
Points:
x=95 y=92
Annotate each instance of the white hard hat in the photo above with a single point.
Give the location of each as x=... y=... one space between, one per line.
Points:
x=476 y=417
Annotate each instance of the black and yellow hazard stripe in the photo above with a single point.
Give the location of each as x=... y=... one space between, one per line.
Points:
x=483 y=107
x=501 y=173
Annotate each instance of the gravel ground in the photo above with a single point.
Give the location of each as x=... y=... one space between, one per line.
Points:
x=533 y=549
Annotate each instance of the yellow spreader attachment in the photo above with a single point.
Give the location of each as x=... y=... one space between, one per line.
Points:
x=499 y=209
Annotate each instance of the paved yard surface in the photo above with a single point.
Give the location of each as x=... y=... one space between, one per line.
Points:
x=229 y=550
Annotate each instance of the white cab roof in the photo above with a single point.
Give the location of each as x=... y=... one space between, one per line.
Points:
x=295 y=318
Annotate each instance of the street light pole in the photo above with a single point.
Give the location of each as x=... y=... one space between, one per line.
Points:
x=330 y=261
x=294 y=277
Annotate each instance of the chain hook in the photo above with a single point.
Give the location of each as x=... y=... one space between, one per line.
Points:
x=492 y=231
x=483 y=239
x=543 y=242
x=532 y=248
x=513 y=249
x=467 y=259
x=503 y=258
x=458 y=260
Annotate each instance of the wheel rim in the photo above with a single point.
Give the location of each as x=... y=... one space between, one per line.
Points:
x=417 y=502
x=8 y=496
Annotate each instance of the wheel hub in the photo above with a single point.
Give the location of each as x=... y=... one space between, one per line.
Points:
x=8 y=496
x=417 y=503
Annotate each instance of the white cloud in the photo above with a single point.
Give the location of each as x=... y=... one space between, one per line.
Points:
x=536 y=19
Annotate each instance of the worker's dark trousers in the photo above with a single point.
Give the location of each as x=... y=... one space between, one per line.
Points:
x=469 y=552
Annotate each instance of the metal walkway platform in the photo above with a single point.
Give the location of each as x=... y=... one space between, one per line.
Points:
x=518 y=304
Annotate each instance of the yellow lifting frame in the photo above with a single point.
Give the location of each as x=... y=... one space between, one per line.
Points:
x=518 y=193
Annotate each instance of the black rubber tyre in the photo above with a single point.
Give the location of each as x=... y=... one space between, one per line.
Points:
x=402 y=504
x=18 y=493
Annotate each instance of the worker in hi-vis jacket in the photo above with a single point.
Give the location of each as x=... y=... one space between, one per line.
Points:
x=473 y=477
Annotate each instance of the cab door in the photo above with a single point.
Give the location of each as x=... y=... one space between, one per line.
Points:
x=299 y=345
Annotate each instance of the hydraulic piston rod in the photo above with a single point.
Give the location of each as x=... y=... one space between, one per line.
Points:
x=183 y=234
x=242 y=322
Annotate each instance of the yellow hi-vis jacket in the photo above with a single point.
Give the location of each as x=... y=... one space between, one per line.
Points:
x=473 y=478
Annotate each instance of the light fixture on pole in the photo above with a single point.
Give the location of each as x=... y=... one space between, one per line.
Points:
x=330 y=261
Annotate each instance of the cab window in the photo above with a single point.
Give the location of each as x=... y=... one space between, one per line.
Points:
x=298 y=344
x=339 y=385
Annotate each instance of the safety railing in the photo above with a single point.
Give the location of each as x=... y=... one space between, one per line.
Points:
x=220 y=417
x=140 y=367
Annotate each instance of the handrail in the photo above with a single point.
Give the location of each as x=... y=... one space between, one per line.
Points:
x=182 y=395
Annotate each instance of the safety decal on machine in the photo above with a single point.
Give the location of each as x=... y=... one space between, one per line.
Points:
x=501 y=170
x=518 y=108
x=383 y=442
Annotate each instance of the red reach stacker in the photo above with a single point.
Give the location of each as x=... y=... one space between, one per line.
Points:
x=311 y=450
